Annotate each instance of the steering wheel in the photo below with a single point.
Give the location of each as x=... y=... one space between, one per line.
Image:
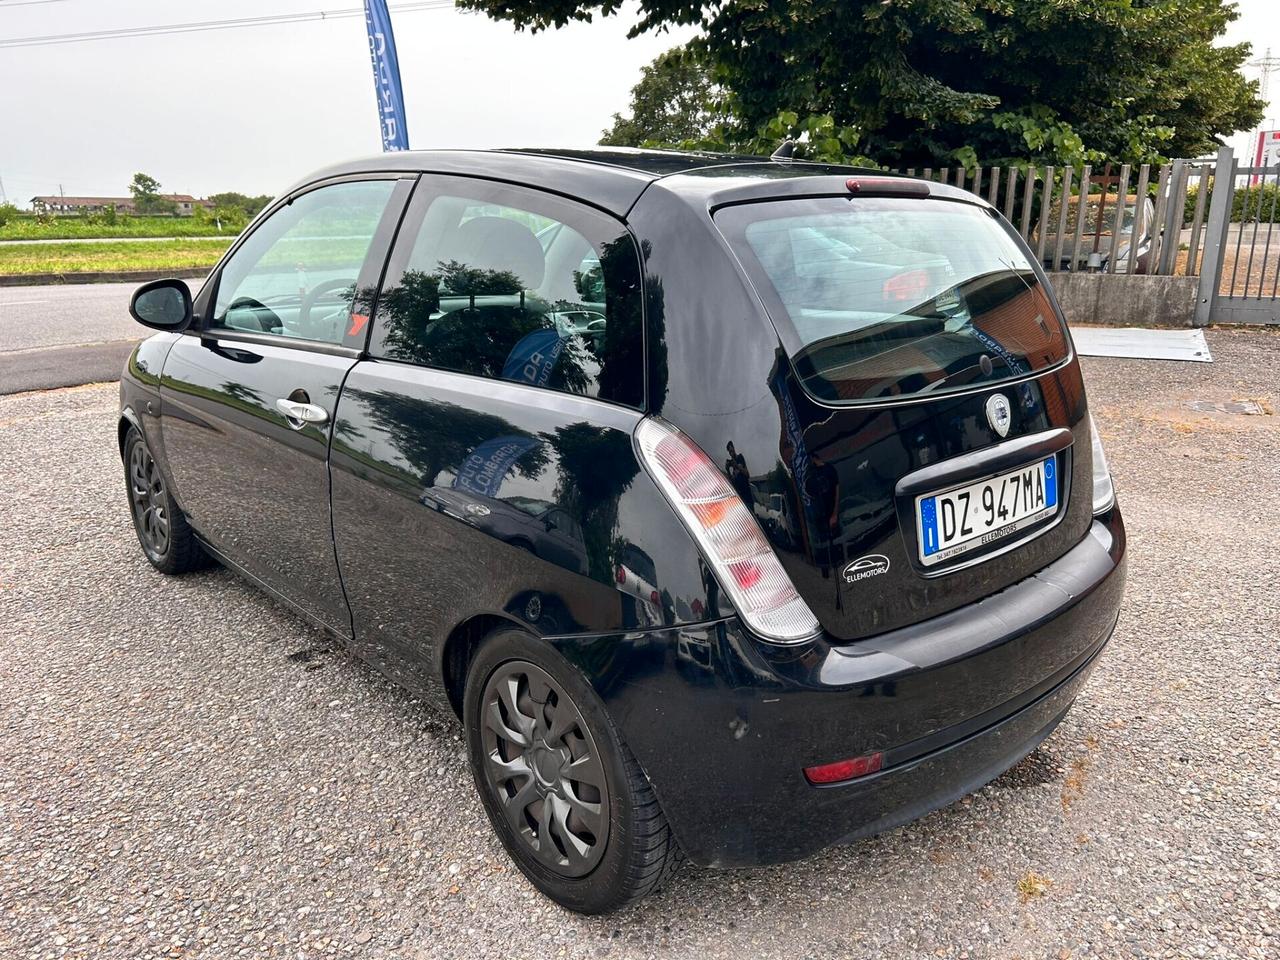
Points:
x=304 y=323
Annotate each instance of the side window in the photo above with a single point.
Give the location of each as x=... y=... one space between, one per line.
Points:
x=514 y=285
x=295 y=275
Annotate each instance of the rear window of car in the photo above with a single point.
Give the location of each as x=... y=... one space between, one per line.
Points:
x=877 y=297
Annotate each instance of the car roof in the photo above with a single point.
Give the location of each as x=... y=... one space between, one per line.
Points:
x=613 y=178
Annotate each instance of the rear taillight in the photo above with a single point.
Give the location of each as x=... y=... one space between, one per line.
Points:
x=1104 y=491
x=727 y=533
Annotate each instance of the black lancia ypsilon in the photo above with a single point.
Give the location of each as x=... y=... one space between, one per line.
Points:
x=738 y=507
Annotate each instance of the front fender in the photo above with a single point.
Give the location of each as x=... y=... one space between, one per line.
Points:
x=141 y=405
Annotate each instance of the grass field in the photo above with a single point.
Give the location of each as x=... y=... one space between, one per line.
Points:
x=73 y=228
x=31 y=258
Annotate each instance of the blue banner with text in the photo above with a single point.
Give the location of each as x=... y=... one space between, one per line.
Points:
x=386 y=76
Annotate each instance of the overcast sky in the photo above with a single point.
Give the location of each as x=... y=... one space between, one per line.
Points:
x=253 y=109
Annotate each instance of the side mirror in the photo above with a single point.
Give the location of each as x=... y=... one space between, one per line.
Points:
x=162 y=305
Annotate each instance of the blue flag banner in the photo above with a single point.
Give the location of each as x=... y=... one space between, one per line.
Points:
x=533 y=359
x=488 y=464
x=386 y=75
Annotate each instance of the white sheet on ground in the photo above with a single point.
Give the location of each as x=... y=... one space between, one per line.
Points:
x=1142 y=344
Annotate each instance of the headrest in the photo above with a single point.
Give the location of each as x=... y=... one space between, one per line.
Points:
x=496 y=243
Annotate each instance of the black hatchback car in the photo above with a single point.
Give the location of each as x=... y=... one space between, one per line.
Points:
x=738 y=507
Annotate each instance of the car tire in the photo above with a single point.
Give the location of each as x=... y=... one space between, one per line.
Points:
x=536 y=764
x=163 y=532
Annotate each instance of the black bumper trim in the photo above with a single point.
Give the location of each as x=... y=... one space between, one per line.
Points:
x=959 y=732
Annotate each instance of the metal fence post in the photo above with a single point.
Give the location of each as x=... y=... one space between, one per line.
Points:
x=1174 y=214
x=1224 y=185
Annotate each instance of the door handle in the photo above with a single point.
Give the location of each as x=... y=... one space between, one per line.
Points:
x=300 y=414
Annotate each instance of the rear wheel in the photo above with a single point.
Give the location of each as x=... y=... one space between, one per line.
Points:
x=562 y=790
x=163 y=532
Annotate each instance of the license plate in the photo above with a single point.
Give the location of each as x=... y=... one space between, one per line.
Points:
x=973 y=516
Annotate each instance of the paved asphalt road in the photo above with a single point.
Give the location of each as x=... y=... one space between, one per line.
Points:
x=63 y=335
x=187 y=770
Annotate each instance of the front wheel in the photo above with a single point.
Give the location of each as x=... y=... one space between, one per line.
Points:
x=563 y=792
x=163 y=532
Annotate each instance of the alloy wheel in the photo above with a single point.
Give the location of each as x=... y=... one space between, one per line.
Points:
x=542 y=765
x=149 y=500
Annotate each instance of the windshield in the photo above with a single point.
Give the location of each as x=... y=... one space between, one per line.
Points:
x=885 y=297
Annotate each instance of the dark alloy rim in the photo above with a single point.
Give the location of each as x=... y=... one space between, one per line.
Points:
x=147 y=494
x=542 y=766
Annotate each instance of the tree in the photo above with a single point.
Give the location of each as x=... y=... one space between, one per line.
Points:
x=676 y=100
x=921 y=82
x=678 y=104
x=250 y=206
x=146 y=195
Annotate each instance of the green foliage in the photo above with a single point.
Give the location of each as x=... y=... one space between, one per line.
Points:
x=817 y=139
x=676 y=100
x=146 y=196
x=677 y=105
x=228 y=219
x=106 y=224
x=1259 y=201
x=8 y=213
x=1043 y=134
x=249 y=206
x=97 y=219
x=927 y=82
x=144 y=186
x=30 y=258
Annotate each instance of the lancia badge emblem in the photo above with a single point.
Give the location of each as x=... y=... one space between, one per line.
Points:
x=999 y=414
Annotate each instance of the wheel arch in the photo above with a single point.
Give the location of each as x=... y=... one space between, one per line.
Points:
x=128 y=418
x=460 y=649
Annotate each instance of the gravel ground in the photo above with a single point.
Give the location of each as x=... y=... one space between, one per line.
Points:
x=188 y=770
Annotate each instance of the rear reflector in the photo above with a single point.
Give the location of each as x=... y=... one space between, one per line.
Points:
x=727 y=533
x=843 y=770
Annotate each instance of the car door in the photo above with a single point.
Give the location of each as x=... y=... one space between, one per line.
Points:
x=483 y=453
x=247 y=399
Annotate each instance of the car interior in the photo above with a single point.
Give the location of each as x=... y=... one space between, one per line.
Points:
x=295 y=276
x=488 y=268
x=501 y=275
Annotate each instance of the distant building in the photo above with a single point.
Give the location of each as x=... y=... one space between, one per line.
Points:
x=59 y=205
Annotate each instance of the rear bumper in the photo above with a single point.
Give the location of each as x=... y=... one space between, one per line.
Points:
x=724 y=725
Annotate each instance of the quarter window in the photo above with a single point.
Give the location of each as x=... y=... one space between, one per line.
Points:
x=513 y=285
x=295 y=275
